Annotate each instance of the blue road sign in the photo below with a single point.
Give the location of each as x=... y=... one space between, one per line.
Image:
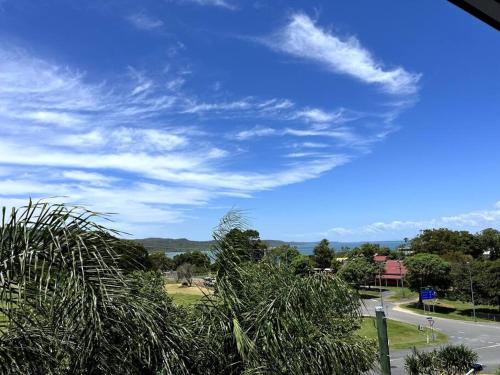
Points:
x=428 y=294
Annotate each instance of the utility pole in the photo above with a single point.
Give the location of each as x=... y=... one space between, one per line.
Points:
x=401 y=279
x=380 y=285
x=472 y=292
x=383 y=341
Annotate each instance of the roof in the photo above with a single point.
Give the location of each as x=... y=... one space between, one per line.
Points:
x=393 y=267
x=379 y=258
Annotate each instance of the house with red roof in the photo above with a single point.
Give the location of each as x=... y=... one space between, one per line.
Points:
x=393 y=271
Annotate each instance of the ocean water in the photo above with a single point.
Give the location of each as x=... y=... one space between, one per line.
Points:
x=306 y=248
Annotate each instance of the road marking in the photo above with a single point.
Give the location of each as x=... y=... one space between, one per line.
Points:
x=487 y=347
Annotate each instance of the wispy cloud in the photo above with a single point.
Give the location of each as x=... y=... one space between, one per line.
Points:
x=320 y=116
x=143 y=21
x=117 y=147
x=246 y=106
x=144 y=147
x=254 y=132
x=216 y=3
x=303 y=38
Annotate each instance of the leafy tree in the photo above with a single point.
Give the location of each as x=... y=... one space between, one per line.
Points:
x=198 y=259
x=450 y=360
x=185 y=273
x=486 y=282
x=246 y=243
x=485 y=275
x=358 y=271
x=302 y=265
x=489 y=240
x=160 y=262
x=427 y=270
x=369 y=250
x=489 y=283
x=283 y=254
x=323 y=254
x=133 y=256
x=441 y=241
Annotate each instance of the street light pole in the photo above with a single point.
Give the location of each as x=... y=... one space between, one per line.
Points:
x=472 y=292
x=401 y=279
x=380 y=286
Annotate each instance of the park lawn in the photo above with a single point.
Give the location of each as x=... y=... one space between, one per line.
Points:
x=186 y=296
x=456 y=310
x=185 y=300
x=401 y=335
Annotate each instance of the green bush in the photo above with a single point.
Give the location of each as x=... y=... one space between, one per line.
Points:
x=450 y=360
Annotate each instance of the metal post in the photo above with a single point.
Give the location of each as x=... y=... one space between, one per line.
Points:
x=403 y=285
x=383 y=341
x=472 y=292
x=401 y=278
x=380 y=286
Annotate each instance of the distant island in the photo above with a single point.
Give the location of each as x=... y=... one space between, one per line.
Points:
x=158 y=245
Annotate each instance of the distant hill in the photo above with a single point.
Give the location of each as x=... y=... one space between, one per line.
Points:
x=157 y=245
x=183 y=244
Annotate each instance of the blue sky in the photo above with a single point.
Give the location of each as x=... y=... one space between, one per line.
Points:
x=347 y=120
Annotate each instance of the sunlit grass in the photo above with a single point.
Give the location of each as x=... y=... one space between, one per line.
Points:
x=186 y=295
x=401 y=335
x=456 y=310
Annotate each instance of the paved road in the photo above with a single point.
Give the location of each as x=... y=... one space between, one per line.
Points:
x=484 y=338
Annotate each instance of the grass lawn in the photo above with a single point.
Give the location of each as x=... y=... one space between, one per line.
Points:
x=185 y=296
x=453 y=310
x=401 y=335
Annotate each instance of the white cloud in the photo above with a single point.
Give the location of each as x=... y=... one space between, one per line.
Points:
x=57 y=118
x=318 y=115
x=175 y=84
x=303 y=154
x=92 y=138
x=215 y=3
x=473 y=221
x=130 y=146
x=139 y=162
x=313 y=145
x=301 y=37
x=255 y=132
x=89 y=177
x=144 y=22
x=246 y=106
x=342 y=134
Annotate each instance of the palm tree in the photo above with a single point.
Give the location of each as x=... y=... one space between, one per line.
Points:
x=68 y=308
x=65 y=305
x=449 y=359
x=267 y=320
